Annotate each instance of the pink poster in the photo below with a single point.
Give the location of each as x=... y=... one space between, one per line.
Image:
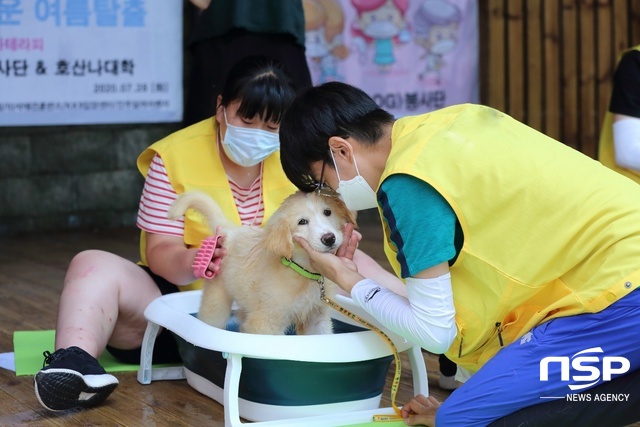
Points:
x=411 y=56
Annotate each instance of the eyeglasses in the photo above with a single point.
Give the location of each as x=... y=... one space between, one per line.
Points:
x=321 y=183
x=322 y=188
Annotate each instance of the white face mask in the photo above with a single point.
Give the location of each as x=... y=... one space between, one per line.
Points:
x=356 y=193
x=248 y=147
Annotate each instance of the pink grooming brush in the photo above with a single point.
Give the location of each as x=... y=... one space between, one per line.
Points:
x=204 y=257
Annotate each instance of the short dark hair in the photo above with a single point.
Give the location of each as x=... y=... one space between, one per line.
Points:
x=262 y=87
x=318 y=113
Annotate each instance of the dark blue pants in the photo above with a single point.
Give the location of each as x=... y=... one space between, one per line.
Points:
x=511 y=380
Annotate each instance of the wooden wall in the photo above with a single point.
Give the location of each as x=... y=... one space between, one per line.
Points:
x=549 y=63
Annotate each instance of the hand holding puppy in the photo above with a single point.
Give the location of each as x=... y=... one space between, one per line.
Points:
x=350 y=243
x=338 y=267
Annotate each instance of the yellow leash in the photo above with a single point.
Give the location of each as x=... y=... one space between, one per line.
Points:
x=396 y=377
x=396 y=356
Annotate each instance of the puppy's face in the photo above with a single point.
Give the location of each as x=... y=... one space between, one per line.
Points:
x=319 y=221
x=316 y=218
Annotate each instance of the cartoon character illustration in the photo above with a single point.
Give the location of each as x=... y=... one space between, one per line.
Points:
x=324 y=23
x=435 y=28
x=381 y=24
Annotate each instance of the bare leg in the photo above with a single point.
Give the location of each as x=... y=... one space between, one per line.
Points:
x=103 y=302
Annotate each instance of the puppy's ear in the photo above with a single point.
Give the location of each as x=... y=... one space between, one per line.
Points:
x=351 y=217
x=279 y=239
x=341 y=209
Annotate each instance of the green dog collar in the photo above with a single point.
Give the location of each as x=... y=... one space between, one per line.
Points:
x=301 y=270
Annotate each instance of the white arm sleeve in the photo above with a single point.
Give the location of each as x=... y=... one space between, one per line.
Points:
x=626 y=142
x=426 y=317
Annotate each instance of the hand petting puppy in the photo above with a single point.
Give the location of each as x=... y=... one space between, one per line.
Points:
x=338 y=267
x=350 y=242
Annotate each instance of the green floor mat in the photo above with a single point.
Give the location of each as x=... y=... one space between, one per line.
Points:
x=28 y=347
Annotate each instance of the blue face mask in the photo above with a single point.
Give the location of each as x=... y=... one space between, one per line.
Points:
x=248 y=147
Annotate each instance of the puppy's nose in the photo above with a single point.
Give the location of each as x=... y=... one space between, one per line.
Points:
x=328 y=239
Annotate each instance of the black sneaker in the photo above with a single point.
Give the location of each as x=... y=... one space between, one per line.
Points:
x=73 y=379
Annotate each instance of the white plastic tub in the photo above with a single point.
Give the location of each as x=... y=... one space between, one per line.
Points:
x=288 y=380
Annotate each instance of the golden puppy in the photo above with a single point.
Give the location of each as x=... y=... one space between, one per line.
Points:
x=270 y=296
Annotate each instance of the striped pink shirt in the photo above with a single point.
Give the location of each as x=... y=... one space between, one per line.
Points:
x=158 y=194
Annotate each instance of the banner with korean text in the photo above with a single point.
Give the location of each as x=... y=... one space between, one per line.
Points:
x=410 y=56
x=67 y=62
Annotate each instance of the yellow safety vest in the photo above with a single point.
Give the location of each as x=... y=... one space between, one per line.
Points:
x=606 y=149
x=192 y=161
x=548 y=232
